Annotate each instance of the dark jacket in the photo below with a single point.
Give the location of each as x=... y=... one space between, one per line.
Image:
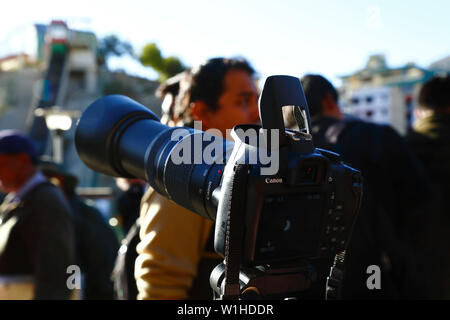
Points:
x=123 y=274
x=128 y=205
x=97 y=247
x=430 y=140
x=37 y=238
x=397 y=195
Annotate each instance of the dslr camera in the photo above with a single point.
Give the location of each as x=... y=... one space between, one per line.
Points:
x=283 y=209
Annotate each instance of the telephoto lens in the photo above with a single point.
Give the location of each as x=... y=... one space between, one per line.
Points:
x=118 y=136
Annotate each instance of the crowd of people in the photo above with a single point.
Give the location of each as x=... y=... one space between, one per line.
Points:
x=168 y=252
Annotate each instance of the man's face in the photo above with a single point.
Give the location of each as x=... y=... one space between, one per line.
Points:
x=10 y=168
x=238 y=103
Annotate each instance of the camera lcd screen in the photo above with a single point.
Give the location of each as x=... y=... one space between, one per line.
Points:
x=289 y=227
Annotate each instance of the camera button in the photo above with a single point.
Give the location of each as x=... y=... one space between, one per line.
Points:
x=339 y=205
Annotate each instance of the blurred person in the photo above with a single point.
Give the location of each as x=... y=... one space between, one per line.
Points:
x=96 y=243
x=128 y=201
x=36 y=228
x=128 y=206
x=396 y=195
x=176 y=253
x=430 y=140
x=168 y=92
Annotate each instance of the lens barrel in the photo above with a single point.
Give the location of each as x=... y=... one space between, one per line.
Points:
x=120 y=137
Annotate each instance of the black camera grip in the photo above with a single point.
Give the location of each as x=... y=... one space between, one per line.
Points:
x=235 y=231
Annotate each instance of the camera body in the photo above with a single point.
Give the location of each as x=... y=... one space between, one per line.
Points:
x=305 y=211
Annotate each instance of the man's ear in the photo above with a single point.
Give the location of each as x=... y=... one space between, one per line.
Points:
x=328 y=104
x=201 y=112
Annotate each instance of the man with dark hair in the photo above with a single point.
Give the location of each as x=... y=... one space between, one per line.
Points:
x=430 y=140
x=36 y=231
x=217 y=82
x=321 y=96
x=396 y=191
x=176 y=254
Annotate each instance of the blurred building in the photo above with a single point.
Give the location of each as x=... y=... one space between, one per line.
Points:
x=384 y=94
x=15 y=62
x=441 y=66
x=53 y=65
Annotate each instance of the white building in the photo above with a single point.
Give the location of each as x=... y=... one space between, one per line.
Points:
x=377 y=104
x=383 y=94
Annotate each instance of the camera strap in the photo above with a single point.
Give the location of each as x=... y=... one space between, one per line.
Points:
x=335 y=279
x=235 y=231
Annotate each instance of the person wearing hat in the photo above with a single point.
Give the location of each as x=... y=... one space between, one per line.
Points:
x=96 y=243
x=37 y=243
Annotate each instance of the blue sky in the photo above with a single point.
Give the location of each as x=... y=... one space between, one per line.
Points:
x=278 y=37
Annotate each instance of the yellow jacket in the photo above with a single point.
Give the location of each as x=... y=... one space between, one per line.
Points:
x=172 y=243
